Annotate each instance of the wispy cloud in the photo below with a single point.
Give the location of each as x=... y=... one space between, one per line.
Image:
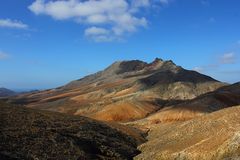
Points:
x=3 y=55
x=113 y=18
x=8 y=23
x=233 y=72
x=98 y=34
x=228 y=58
x=224 y=59
x=198 y=69
x=224 y=68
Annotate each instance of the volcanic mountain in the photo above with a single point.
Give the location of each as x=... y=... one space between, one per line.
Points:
x=124 y=91
x=4 y=92
x=184 y=114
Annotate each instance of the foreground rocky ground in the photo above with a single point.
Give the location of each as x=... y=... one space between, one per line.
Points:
x=210 y=137
x=32 y=134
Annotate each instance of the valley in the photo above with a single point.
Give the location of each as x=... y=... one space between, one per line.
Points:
x=130 y=110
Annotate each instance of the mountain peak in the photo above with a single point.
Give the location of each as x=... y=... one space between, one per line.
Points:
x=130 y=66
x=156 y=63
x=157 y=60
x=119 y=70
x=120 y=67
x=159 y=64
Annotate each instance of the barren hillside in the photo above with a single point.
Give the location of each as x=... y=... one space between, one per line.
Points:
x=214 y=136
x=32 y=134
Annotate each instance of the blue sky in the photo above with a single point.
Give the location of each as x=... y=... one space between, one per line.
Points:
x=46 y=43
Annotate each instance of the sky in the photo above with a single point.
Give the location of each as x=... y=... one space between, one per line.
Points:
x=48 y=43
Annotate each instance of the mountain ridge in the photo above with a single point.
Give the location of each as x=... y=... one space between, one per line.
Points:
x=120 y=67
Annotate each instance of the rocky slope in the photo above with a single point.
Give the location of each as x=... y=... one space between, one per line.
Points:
x=125 y=91
x=32 y=134
x=210 y=137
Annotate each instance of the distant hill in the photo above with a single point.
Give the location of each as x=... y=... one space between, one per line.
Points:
x=4 y=92
x=124 y=91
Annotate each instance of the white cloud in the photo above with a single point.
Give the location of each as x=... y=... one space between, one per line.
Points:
x=140 y=3
x=8 y=23
x=119 y=17
x=228 y=58
x=96 y=31
x=3 y=55
x=63 y=9
x=198 y=69
x=99 y=34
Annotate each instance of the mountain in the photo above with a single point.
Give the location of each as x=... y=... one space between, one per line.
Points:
x=6 y=92
x=164 y=110
x=124 y=91
x=213 y=136
x=33 y=134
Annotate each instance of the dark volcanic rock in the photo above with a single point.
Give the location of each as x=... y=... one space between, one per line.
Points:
x=168 y=76
x=130 y=66
x=33 y=134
